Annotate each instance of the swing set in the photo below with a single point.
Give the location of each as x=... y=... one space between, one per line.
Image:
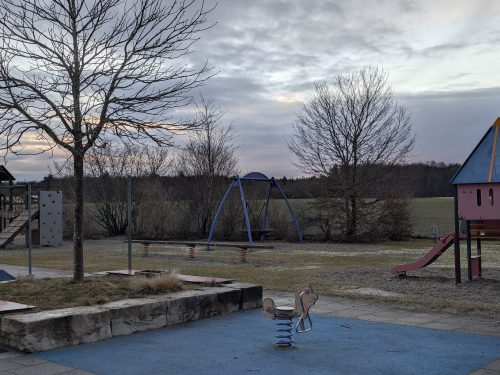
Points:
x=260 y=223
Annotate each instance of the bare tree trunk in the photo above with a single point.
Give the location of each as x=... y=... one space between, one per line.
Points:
x=354 y=195
x=353 y=223
x=78 y=225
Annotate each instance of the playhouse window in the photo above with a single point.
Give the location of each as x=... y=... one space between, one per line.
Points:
x=478 y=197
x=490 y=196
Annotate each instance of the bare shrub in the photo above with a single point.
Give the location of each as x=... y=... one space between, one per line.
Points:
x=396 y=224
x=280 y=222
x=158 y=284
x=230 y=222
x=163 y=220
x=320 y=217
x=91 y=228
x=155 y=217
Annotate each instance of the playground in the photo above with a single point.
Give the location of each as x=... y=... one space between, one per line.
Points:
x=401 y=306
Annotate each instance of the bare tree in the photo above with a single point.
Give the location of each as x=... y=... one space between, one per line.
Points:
x=209 y=157
x=108 y=167
x=349 y=131
x=74 y=72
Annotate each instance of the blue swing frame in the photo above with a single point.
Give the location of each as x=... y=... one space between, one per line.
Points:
x=236 y=183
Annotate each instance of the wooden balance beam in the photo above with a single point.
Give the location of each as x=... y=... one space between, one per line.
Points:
x=192 y=246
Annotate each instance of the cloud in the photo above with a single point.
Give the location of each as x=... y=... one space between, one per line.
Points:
x=441 y=56
x=449 y=124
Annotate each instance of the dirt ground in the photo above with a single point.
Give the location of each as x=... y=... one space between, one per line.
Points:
x=353 y=270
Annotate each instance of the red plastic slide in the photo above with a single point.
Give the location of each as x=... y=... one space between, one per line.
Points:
x=439 y=248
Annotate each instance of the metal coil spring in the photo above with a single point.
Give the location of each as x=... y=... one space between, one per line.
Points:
x=284 y=330
x=191 y=252
x=243 y=255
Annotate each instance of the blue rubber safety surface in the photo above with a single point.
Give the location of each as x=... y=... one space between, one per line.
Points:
x=242 y=343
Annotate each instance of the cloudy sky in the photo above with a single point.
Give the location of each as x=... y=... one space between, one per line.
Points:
x=442 y=58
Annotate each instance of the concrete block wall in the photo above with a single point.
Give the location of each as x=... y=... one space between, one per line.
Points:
x=46 y=330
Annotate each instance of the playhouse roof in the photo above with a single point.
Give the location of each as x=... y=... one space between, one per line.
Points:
x=483 y=164
x=5 y=174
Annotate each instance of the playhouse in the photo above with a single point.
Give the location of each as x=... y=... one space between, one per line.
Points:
x=476 y=206
x=477 y=200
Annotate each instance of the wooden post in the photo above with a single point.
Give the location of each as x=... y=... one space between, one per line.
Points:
x=479 y=255
x=11 y=199
x=469 y=250
x=2 y=207
x=129 y=222
x=29 y=231
x=458 y=273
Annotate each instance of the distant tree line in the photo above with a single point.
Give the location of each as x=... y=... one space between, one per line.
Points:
x=168 y=204
x=421 y=180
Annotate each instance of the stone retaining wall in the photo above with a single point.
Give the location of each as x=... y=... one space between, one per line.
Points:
x=46 y=330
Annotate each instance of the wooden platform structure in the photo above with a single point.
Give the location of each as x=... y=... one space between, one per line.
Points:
x=6 y=214
x=7 y=307
x=15 y=226
x=477 y=200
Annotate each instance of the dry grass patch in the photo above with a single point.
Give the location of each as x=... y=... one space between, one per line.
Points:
x=56 y=293
x=157 y=284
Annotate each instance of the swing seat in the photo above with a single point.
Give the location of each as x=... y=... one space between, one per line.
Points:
x=257 y=233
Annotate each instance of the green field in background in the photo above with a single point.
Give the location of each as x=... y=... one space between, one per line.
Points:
x=427 y=212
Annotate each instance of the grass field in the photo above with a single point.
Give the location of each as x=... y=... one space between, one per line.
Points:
x=352 y=270
x=425 y=212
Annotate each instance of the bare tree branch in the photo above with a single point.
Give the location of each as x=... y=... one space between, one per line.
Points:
x=209 y=157
x=77 y=72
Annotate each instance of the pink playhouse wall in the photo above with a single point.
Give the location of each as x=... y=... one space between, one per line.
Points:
x=479 y=201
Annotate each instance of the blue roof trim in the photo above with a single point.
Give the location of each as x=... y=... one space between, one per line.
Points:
x=495 y=176
x=476 y=168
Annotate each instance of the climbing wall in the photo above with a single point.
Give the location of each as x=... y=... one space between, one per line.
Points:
x=50 y=203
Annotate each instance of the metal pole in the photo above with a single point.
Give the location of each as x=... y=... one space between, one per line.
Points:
x=129 y=222
x=219 y=211
x=29 y=231
x=245 y=212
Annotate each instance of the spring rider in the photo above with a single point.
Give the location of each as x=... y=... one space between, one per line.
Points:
x=305 y=298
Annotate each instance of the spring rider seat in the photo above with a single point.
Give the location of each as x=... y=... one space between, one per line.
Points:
x=305 y=298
